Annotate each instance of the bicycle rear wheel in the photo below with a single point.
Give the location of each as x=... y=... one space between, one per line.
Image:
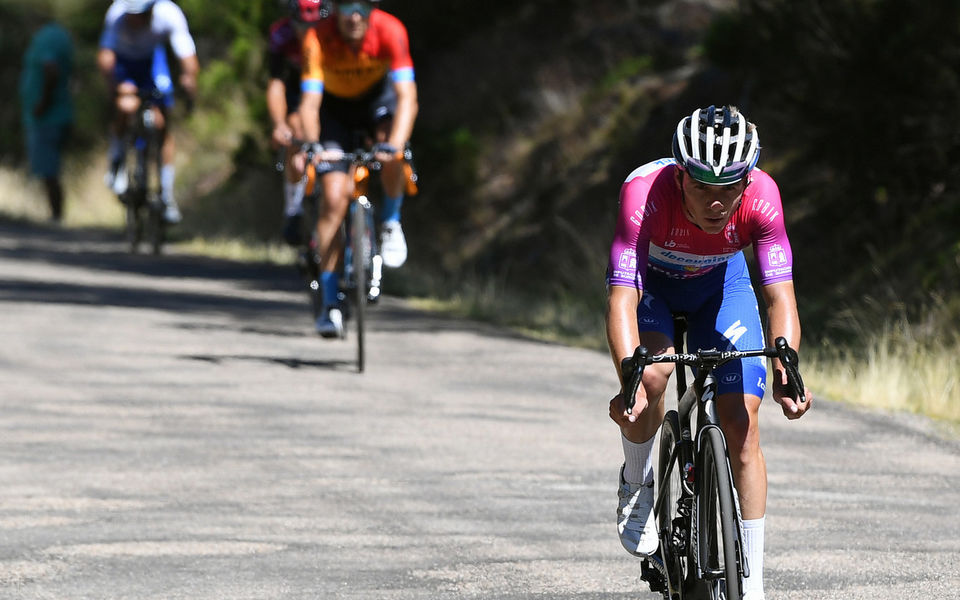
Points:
x=361 y=275
x=155 y=225
x=718 y=521
x=671 y=525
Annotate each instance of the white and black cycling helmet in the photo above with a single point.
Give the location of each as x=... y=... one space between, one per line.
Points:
x=137 y=7
x=716 y=146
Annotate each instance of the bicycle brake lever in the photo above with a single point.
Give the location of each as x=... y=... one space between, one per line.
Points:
x=791 y=364
x=633 y=367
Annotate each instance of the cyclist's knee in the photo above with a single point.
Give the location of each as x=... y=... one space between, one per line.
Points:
x=740 y=423
x=160 y=119
x=335 y=203
x=127 y=99
x=655 y=379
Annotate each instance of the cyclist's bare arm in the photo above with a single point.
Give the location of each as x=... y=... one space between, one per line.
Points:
x=310 y=115
x=277 y=108
x=407 y=109
x=190 y=67
x=623 y=336
x=106 y=62
x=784 y=320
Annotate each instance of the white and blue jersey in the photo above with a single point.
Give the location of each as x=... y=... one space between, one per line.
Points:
x=141 y=52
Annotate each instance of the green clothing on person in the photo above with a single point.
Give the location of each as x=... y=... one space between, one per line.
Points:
x=51 y=44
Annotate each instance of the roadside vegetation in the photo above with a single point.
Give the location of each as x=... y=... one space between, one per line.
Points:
x=521 y=156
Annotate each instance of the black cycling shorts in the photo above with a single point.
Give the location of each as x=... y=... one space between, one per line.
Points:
x=346 y=123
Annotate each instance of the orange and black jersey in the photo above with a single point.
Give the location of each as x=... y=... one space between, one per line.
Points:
x=331 y=66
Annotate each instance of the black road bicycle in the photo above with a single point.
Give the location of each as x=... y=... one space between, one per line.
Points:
x=140 y=166
x=697 y=510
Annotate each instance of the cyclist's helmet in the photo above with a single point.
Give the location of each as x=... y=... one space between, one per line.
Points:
x=307 y=11
x=137 y=7
x=716 y=146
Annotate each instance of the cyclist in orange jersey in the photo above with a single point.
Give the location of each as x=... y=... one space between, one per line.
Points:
x=357 y=75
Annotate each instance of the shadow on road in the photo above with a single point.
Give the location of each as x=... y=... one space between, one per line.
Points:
x=292 y=363
x=104 y=251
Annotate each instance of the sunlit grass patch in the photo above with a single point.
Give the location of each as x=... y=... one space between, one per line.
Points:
x=898 y=365
x=551 y=316
x=87 y=201
x=239 y=250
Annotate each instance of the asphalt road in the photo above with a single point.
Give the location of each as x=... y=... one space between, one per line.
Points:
x=171 y=428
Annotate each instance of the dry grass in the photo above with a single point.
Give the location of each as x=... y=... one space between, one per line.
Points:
x=900 y=366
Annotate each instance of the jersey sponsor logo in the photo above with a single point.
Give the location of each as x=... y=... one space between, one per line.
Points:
x=669 y=259
x=649 y=168
x=731 y=378
x=628 y=260
x=731 y=235
x=765 y=208
x=735 y=332
x=770 y=273
x=776 y=256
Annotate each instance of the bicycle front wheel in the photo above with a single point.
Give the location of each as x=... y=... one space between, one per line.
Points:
x=718 y=521
x=155 y=224
x=361 y=273
x=134 y=222
x=673 y=527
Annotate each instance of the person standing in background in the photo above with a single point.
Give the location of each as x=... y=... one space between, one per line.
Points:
x=47 y=109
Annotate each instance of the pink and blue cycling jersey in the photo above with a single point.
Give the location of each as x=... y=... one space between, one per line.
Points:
x=653 y=232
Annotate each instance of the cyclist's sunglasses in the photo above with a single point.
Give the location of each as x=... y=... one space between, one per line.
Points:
x=348 y=8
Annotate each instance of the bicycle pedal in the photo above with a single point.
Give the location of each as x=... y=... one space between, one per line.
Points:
x=653 y=572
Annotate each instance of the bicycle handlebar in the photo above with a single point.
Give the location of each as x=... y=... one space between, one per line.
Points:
x=632 y=367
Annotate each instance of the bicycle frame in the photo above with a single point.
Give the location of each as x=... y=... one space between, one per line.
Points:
x=362 y=266
x=685 y=557
x=145 y=140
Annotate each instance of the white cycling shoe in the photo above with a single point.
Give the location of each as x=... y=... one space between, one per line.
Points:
x=330 y=324
x=393 y=245
x=116 y=179
x=635 y=521
x=171 y=213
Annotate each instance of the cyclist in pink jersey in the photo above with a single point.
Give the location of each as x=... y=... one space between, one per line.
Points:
x=677 y=247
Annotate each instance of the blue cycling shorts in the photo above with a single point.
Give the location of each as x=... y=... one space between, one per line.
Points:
x=148 y=75
x=722 y=312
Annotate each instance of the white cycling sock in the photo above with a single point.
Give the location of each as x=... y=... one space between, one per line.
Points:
x=638 y=459
x=166 y=183
x=293 y=197
x=753 y=547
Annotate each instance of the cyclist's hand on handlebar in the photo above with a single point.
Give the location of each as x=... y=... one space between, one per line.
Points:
x=782 y=394
x=618 y=408
x=385 y=152
x=282 y=135
x=299 y=162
